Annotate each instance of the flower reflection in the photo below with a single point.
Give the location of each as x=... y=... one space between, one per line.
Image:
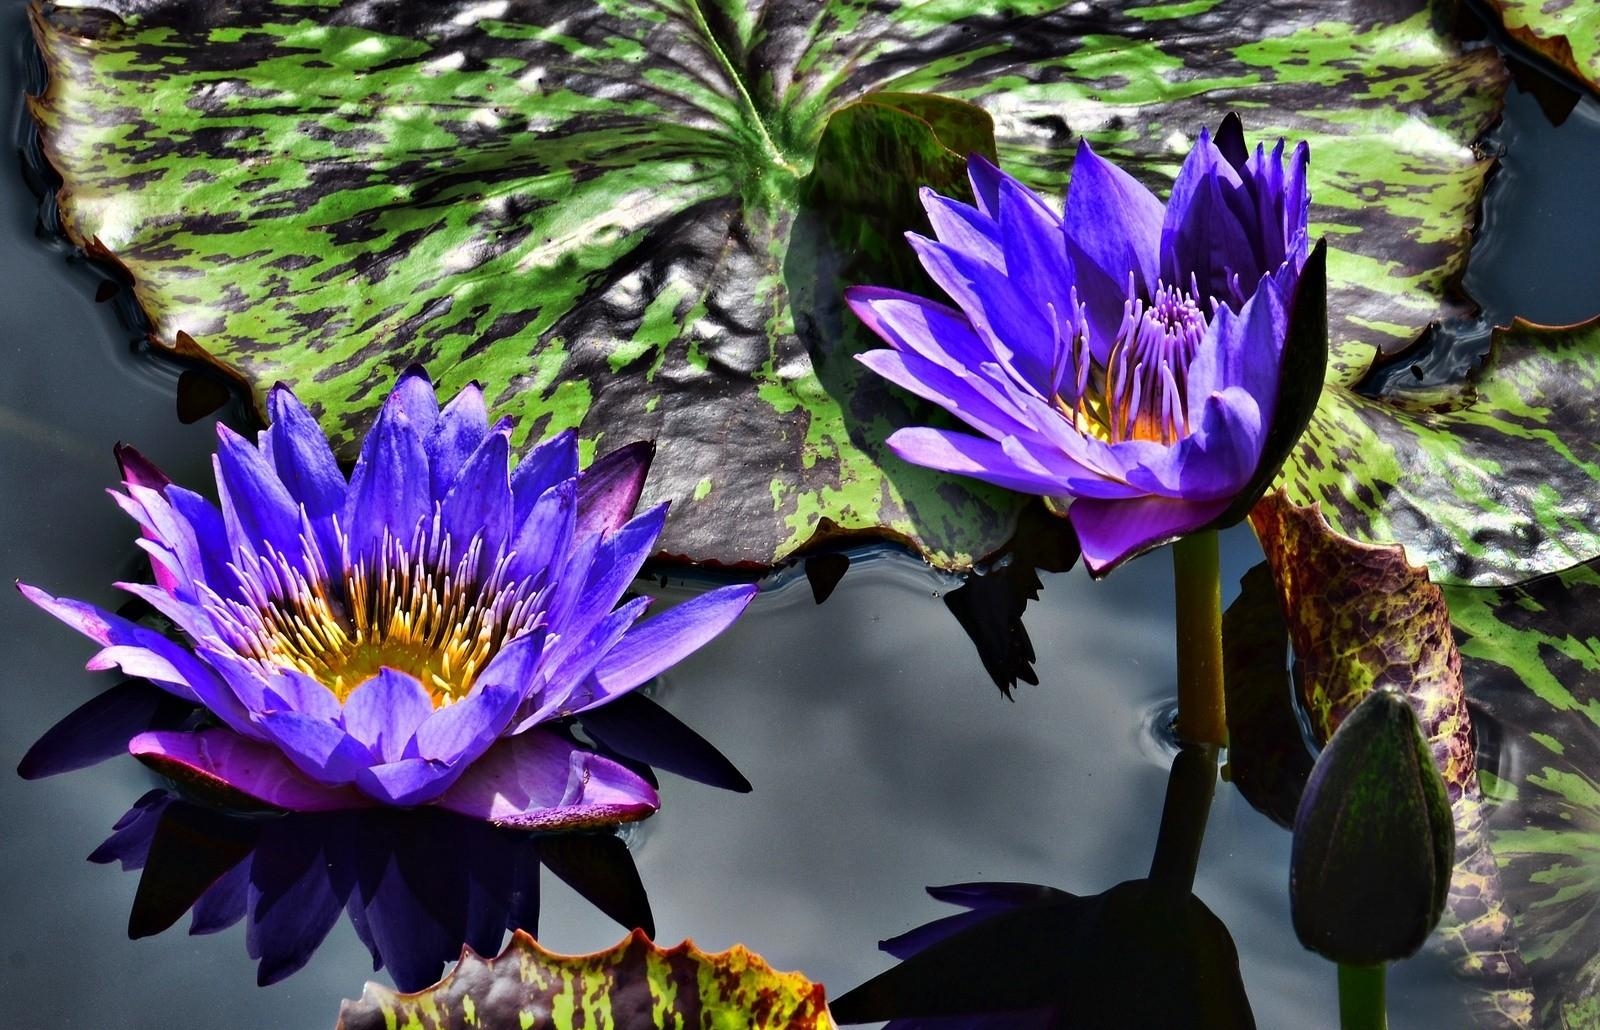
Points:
x=1146 y=953
x=415 y=884
x=414 y=635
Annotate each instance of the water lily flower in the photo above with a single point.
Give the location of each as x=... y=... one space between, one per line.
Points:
x=1121 y=360
x=405 y=637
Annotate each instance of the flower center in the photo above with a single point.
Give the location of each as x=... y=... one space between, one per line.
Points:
x=1139 y=394
x=415 y=609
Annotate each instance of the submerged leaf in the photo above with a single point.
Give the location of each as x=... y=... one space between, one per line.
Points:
x=633 y=984
x=597 y=210
x=1531 y=656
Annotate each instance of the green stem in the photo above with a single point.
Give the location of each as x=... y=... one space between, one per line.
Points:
x=1361 y=1003
x=1202 y=718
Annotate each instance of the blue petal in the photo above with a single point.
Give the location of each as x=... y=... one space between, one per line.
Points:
x=543 y=539
x=568 y=663
x=458 y=733
x=384 y=712
x=479 y=502
x=975 y=400
x=1113 y=227
x=389 y=487
x=317 y=748
x=911 y=323
x=616 y=562
x=301 y=455
x=256 y=507
x=1244 y=350
x=546 y=465
x=1036 y=250
x=210 y=537
x=410 y=781
x=1014 y=326
x=985 y=178
x=964 y=227
x=656 y=644
x=413 y=396
x=458 y=433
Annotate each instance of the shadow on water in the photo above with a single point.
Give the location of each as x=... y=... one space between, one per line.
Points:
x=1145 y=953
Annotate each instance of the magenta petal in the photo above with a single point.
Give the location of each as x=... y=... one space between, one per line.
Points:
x=656 y=644
x=221 y=759
x=1110 y=532
x=608 y=490
x=137 y=470
x=538 y=781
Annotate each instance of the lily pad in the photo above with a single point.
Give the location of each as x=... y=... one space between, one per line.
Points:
x=1361 y=617
x=1567 y=32
x=591 y=208
x=634 y=984
x=1531 y=655
x=1487 y=482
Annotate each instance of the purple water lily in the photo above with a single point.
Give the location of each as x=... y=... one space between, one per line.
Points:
x=403 y=637
x=1121 y=360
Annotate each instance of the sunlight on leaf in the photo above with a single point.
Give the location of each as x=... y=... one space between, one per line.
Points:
x=633 y=984
x=591 y=208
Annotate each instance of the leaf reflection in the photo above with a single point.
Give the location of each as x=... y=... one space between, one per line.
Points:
x=1146 y=953
x=416 y=884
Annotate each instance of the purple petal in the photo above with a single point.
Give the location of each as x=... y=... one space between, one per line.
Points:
x=983 y=901
x=256 y=507
x=568 y=664
x=101 y=727
x=479 y=501
x=544 y=537
x=458 y=433
x=1113 y=227
x=322 y=751
x=985 y=178
x=458 y=733
x=538 y=781
x=210 y=537
x=656 y=644
x=553 y=461
x=1109 y=532
x=137 y=470
x=617 y=561
x=1036 y=248
x=389 y=487
x=1205 y=236
x=1013 y=325
x=964 y=227
x=301 y=455
x=141 y=652
x=517 y=670
x=409 y=781
x=288 y=689
x=910 y=323
x=971 y=397
x=413 y=396
x=221 y=759
x=1244 y=350
x=986 y=460
x=609 y=489
x=384 y=712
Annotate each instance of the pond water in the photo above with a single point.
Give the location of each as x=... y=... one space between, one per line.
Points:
x=882 y=757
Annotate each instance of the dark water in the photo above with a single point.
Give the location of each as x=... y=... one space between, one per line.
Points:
x=882 y=758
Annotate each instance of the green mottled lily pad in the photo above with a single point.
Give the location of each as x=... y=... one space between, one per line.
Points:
x=634 y=984
x=1531 y=655
x=1565 y=31
x=1489 y=482
x=591 y=207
